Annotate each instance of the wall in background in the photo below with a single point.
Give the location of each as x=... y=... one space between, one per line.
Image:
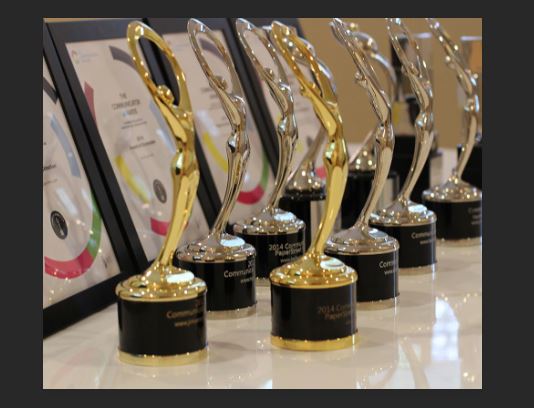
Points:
x=354 y=105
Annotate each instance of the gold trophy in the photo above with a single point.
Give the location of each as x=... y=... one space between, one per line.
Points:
x=373 y=253
x=313 y=298
x=362 y=164
x=457 y=203
x=162 y=312
x=412 y=224
x=277 y=235
x=225 y=262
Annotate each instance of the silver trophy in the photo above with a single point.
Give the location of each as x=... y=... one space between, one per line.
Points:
x=457 y=203
x=371 y=252
x=412 y=224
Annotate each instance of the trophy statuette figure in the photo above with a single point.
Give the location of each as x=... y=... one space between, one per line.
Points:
x=412 y=224
x=162 y=311
x=313 y=299
x=457 y=203
x=225 y=262
x=372 y=253
x=277 y=235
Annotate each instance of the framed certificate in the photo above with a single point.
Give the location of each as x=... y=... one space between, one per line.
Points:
x=213 y=128
x=307 y=122
x=84 y=255
x=130 y=137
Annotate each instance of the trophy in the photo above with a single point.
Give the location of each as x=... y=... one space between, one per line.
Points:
x=412 y=224
x=472 y=50
x=362 y=164
x=162 y=311
x=277 y=235
x=371 y=252
x=313 y=299
x=457 y=203
x=404 y=112
x=225 y=262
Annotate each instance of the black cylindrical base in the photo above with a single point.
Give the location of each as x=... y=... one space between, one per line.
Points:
x=231 y=285
x=273 y=251
x=417 y=243
x=307 y=206
x=356 y=192
x=457 y=220
x=473 y=169
x=164 y=328
x=378 y=274
x=313 y=314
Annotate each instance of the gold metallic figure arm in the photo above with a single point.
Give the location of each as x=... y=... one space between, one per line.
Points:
x=233 y=103
x=455 y=60
x=383 y=134
x=279 y=89
x=184 y=167
x=420 y=81
x=322 y=95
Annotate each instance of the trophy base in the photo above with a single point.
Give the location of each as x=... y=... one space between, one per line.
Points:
x=313 y=303
x=307 y=206
x=458 y=207
x=378 y=304
x=414 y=227
x=315 y=345
x=375 y=257
x=163 y=361
x=418 y=270
x=460 y=242
x=231 y=314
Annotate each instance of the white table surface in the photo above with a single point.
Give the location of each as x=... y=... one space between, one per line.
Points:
x=432 y=339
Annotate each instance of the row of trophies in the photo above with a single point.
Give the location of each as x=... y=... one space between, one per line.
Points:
x=313 y=285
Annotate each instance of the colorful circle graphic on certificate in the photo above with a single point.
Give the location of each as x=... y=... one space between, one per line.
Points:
x=136 y=185
x=77 y=266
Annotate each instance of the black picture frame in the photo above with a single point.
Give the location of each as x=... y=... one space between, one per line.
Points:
x=179 y=25
x=253 y=76
x=93 y=30
x=95 y=298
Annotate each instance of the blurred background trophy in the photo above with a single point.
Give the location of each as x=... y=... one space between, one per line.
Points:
x=162 y=312
x=472 y=52
x=458 y=204
x=225 y=262
x=412 y=224
x=362 y=164
x=313 y=299
x=372 y=253
x=277 y=235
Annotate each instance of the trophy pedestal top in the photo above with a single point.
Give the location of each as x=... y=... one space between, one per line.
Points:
x=403 y=213
x=270 y=222
x=361 y=240
x=226 y=248
x=454 y=190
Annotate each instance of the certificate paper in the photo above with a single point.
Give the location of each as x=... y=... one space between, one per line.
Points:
x=213 y=128
x=135 y=136
x=76 y=246
x=307 y=122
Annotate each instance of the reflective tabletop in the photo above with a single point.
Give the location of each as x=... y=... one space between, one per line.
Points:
x=432 y=339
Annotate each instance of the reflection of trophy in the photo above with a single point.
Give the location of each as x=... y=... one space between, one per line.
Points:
x=412 y=224
x=277 y=235
x=371 y=252
x=472 y=50
x=162 y=312
x=225 y=262
x=305 y=191
x=457 y=203
x=362 y=164
x=313 y=299
x=404 y=110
